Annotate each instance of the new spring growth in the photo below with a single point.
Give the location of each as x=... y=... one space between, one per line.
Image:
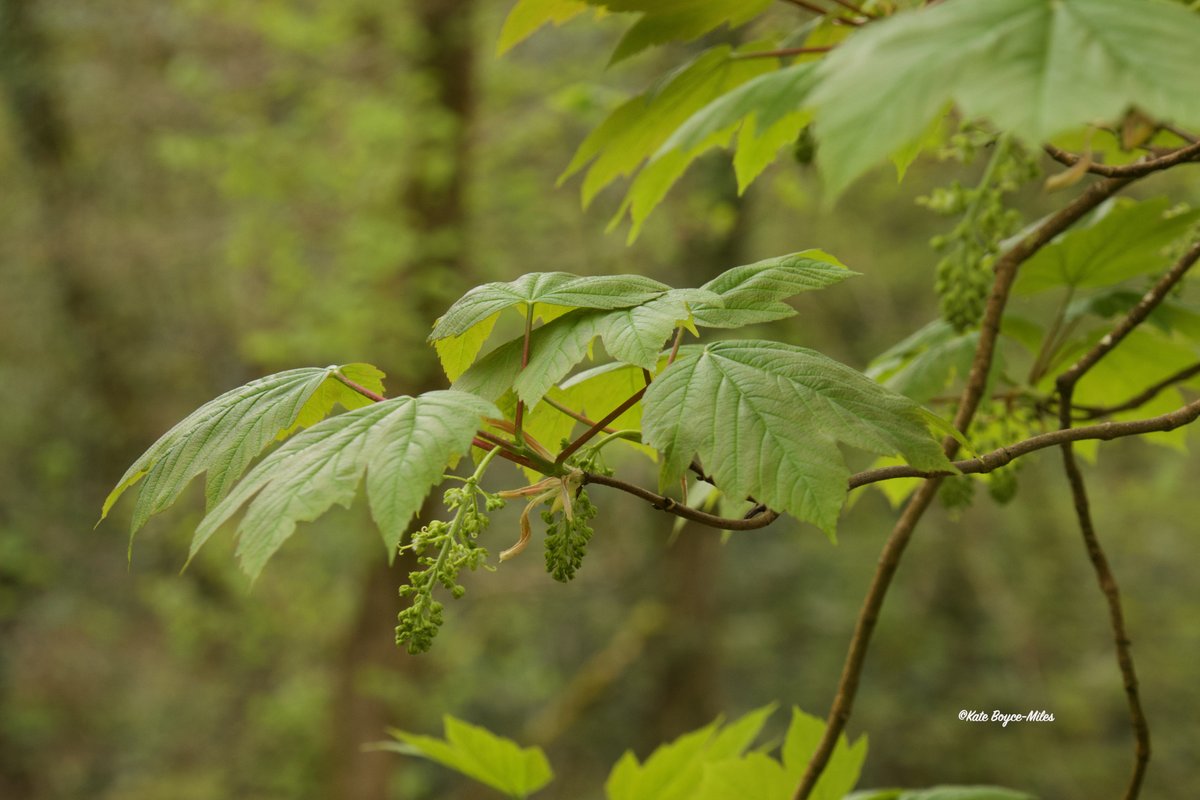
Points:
x=558 y=491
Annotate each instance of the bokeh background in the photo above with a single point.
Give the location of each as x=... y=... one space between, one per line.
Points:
x=198 y=192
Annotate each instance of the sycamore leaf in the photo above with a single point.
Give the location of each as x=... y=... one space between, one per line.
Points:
x=636 y=129
x=529 y=15
x=1032 y=67
x=675 y=770
x=632 y=335
x=224 y=435
x=402 y=444
x=754 y=293
x=553 y=288
x=1123 y=239
x=479 y=754
x=663 y=21
x=755 y=775
x=766 y=419
x=597 y=391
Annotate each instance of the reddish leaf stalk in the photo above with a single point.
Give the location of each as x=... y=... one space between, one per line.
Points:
x=364 y=391
x=599 y=426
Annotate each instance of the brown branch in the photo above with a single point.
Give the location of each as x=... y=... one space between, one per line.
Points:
x=988 y=462
x=664 y=503
x=1112 y=595
x=1006 y=272
x=599 y=426
x=1137 y=169
x=1140 y=399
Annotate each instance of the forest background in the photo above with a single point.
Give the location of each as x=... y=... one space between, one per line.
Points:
x=200 y=192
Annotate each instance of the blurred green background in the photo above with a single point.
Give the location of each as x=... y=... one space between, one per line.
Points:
x=195 y=193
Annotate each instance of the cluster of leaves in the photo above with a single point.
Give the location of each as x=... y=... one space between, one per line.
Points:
x=727 y=407
x=1039 y=71
x=716 y=762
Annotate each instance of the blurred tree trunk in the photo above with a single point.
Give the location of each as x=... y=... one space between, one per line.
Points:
x=47 y=143
x=433 y=205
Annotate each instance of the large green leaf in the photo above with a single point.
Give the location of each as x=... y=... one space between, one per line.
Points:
x=1033 y=67
x=766 y=418
x=663 y=21
x=1123 y=239
x=224 y=435
x=402 y=444
x=552 y=288
x=675 y=770
x=754 y=293
x=479 y=754
x=632 y=335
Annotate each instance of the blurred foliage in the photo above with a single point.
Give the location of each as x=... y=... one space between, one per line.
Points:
x=229 y=201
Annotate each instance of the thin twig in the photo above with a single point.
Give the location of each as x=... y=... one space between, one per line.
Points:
x=664 y=503
x=557 y=406
x=364 y=391
x=599 y=426
x=1135 y=170
x=995 y=459
x=1112 y=595
x=1140 y=399
x=1136 y=316
x=1006 y=273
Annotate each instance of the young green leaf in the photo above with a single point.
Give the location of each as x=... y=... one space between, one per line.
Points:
x=1123 y=240
x=754 y=293
x=224 y=435
x=755 y=775
x=675 y=770
x=765 y=418
x=553 y=288
x=457 y=353
x=1031 y=67
x=402 y=444
x=841 y=773
x=481 y=755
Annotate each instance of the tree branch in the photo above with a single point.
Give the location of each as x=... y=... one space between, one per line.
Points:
x=1112 y=595
x=1006 y=273
x=1135 y=170
x=1136 y=316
